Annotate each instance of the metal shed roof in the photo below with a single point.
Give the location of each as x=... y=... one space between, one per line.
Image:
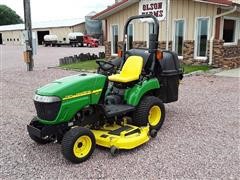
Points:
x=44 y=24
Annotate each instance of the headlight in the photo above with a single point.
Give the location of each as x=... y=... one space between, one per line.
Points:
x=46 y=99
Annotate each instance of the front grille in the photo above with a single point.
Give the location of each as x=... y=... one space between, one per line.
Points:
x=47 y=111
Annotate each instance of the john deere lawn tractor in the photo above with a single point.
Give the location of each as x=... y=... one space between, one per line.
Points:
x=120 y=107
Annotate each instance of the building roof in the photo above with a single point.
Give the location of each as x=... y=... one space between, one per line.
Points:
x=44 y=24
x=125 y=3
x=114 y=8
x=217 y=2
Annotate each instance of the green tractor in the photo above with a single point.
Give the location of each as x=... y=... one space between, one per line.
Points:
x=120 y=107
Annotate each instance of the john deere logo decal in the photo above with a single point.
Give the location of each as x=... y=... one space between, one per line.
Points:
x=84 y=93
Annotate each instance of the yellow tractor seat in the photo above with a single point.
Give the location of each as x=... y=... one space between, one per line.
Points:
x=131 y=70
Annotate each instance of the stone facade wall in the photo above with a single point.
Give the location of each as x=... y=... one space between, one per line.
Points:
x=139 y=44
x=188 y=52
x=231 y=51
x=136 y=44
x=229 y=63
x=218 y=52
x=223 y=56
x=162 y=45
x=226 y=56
x=107 y=49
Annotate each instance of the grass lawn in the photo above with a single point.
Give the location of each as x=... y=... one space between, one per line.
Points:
x=85 y=65
x=92 y=65
x=192 y=68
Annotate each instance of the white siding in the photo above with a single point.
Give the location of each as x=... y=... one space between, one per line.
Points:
x=180 y=9
x=12 y=37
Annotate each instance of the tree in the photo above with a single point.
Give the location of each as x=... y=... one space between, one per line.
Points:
x=8 y=16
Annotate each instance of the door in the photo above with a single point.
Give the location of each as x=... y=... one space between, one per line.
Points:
x=201 y=38
x=40 y=36
x=130 y=37
x=1 y=38
x=114 y=43
x=178 y=37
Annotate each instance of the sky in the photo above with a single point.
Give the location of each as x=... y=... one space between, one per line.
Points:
x=44 y=10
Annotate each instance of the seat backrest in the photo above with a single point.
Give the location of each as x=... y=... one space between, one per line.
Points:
x=147 y=57
x=133 y=66
x=140 y=52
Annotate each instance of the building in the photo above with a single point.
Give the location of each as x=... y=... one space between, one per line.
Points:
x=13 y=34
x=200 y=31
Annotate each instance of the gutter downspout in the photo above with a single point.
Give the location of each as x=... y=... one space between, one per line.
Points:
x=167 y=31
x=214 y=32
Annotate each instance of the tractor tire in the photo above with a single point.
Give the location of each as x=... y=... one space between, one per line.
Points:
x=39 y=140
x=150 y=111
x=78 y=144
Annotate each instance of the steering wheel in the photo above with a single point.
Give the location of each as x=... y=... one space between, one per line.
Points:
x=105 y=65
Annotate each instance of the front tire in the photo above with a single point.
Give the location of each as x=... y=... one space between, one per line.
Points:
x=150 y=111
x=78 y=144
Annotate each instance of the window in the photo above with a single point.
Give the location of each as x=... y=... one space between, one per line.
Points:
x=7 y=39
x=178 y=37
x=114 y=39
x=229 y=31
x=151 y=28
x=150 y=31
x=17 y=39
x=64 y=39
x=238 y=30
x=201 y=38
x=14 y=39
x=10 y=39
x=130 y=37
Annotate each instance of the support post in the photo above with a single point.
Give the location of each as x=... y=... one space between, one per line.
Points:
x=167 y=21
x=28 y=54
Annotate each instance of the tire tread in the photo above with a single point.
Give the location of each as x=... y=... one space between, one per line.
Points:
x=69 y=140
x=140 y=117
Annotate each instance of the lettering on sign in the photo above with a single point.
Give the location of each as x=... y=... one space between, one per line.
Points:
x=154 y=7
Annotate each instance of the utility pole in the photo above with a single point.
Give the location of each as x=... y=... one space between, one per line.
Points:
x=28 y=53
x=167 y=21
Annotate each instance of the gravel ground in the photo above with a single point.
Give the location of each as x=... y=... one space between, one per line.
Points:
x=199 y=139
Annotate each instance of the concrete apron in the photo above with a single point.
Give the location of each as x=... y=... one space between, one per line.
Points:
x=230 y=73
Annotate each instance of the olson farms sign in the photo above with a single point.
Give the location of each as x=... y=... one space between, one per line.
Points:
x=154 y=7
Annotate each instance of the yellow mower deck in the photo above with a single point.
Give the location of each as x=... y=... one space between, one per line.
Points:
x=122 y=137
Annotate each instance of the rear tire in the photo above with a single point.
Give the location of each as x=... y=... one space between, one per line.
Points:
x=150 y=111
x=78 y=144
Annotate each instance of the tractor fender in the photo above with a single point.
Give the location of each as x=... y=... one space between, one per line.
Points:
x=134 y=95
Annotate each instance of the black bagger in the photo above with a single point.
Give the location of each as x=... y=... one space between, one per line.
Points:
x=169 y=77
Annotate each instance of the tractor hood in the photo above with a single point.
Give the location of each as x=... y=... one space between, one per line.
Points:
x=72 y=85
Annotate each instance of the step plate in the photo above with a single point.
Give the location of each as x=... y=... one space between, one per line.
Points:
x=113 y=110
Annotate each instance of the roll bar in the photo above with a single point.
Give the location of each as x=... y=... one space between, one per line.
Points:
x=153 y=38
x=156 y=30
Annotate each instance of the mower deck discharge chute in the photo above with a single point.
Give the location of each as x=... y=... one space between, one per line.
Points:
x=114 y=109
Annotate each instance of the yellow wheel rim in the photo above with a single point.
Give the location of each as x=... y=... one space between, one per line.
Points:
x=154 y=116
x=82 y=146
